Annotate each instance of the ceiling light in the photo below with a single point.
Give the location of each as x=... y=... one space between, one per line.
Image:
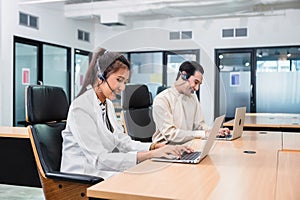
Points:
x=260 y=54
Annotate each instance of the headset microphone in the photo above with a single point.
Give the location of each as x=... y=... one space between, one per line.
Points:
x=101 y=77
x=113 y=91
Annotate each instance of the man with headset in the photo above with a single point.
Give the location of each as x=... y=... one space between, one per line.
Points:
x=177 y=112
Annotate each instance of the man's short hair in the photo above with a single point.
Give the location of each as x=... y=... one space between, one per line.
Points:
x=190 y=67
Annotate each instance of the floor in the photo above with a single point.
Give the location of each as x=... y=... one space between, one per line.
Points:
x=12 y=192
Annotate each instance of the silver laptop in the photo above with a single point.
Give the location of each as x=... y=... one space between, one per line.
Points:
x=197 y=156
x=238 y=125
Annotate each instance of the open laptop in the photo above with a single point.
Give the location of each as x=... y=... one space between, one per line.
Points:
x=238 y=125
x=197 y=156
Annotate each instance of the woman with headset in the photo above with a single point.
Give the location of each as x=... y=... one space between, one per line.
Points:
x=177 y=112
x=94 y=142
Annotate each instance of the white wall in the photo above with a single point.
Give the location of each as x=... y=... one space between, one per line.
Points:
x=53 y=28
x=278 y=30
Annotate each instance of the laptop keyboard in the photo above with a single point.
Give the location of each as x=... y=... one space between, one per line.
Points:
x=190 y=156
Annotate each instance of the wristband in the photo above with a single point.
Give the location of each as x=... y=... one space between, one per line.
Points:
x=152 y=146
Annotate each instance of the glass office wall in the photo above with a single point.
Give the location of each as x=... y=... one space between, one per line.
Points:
x=81 y=63
x=158 y=68
x=38 y=63
x=55 y=67
x=265 y=79
x=25 y=74
x=147 y=68
x=234 y=81
x=278 y=80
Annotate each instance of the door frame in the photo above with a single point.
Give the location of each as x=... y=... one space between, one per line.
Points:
x=252 y=52
x=39 y=45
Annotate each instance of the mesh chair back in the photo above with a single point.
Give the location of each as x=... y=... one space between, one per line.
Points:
x=137 y=109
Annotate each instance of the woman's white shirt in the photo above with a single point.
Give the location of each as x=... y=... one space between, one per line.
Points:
x=89 y=147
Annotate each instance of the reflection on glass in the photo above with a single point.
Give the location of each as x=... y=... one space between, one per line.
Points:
x=81 y=66
x=55 y=71
x=278 y=92
x=147 y=68
x=25 y=60
x=280 y=69
x=234 y=82
x=295 y=65
x=273 y=66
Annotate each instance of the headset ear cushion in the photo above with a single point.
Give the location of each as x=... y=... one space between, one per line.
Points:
x=184 y=76
x=100 y=76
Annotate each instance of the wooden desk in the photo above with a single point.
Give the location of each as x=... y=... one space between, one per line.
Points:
x=17 y=162
x=291 y=141
x=227 y=173
x=288 y=178
x=269 y=122
x=13 y=132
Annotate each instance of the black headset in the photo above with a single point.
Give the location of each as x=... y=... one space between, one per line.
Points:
x=184 y=77
x=100 y=74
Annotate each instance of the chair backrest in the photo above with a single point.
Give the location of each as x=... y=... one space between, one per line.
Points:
x=45 y=104
x=137 y=112
x=161 y=88
x=46 y=109
x=48 y=143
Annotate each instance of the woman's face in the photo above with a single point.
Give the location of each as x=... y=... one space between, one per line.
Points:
x=115 y=83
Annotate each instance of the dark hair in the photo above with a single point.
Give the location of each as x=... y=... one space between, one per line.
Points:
x=190 y=67
x=103 y=64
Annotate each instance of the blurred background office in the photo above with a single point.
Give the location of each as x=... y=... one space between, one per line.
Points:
x=250 y=49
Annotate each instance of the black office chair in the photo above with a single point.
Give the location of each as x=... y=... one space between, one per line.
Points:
x=137 y=112
x=160 y=89
x=46 y=109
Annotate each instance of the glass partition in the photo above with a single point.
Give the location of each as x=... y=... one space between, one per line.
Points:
x=278 y=80
x=25 y=74
x=81 y=65
x=35 y=63
x=267 y=79
x=157 y=69
x=147 y=68
x=234 y=82
x=55 y=67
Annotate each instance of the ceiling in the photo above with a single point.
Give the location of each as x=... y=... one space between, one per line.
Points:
x=118 y=12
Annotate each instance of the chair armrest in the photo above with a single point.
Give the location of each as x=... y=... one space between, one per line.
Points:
x=79 y=178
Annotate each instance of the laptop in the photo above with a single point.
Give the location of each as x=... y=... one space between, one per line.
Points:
x=238 y=125
x=197 y=156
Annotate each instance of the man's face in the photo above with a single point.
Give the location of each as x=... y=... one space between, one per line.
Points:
x=193 y=83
